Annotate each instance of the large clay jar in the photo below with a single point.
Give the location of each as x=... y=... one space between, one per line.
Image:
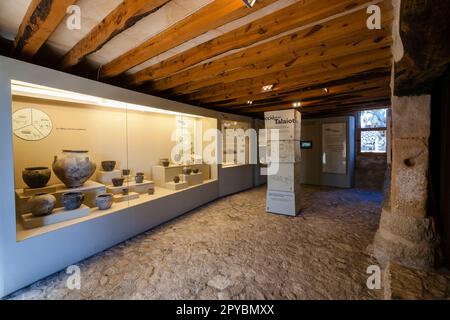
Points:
x=42 y=204
x=36 y=177
x=74 y=168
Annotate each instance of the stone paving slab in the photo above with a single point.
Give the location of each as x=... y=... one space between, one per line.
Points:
x=233 y=249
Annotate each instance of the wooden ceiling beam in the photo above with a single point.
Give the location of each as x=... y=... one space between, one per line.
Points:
x=327 y=52
x=347 y=98
x=319 y=93
x=40 y=21
x=211 y=16
x=269 y=26
x=290 y=50
x=121 y=18
x=309 y=75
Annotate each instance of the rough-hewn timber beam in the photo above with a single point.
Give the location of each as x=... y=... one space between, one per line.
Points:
x=40 y=21
x=269 y=26
x=211 y=16
x=121 y=18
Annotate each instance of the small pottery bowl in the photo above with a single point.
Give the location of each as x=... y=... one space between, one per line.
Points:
x=176 y=179
x=42 y=204
x=104 y=201
x=195 y=171
x=187 y=170
x=108 y=166
x=151 y=191
x=72 y=200
x=36 y=177
x=118 y=182
x=165 y=162
x=126 y=172
x=139 y=179
x=125 y=191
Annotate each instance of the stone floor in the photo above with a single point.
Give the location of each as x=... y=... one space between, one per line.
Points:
x=232 y=248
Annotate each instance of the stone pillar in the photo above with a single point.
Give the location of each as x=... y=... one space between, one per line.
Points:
x=407 y=234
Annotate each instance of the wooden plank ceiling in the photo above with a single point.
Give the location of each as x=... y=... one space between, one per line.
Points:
x=318 y=55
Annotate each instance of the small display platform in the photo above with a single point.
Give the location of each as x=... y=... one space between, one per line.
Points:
x=176 y=186
x=58 y=215
x=192 y=179
x=132 y=186
x=128 y=197
x=106 y=177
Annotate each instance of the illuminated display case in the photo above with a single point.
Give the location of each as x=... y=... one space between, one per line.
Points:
x=79 y=157
x=235 y=143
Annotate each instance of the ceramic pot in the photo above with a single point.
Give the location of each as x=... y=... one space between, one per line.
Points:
x=125 y=191
x=74 y=168
x=195 y=171
x=108 y=166
x=165 y=162
x=42 y=204
x=151 y=191
x=139 y=179
x=104 y=201
x=187 y=170
x=176 y=179
x=72 y=200
x=118 y=182
x=36 y=177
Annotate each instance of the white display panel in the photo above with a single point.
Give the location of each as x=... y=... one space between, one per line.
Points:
x=334 y=148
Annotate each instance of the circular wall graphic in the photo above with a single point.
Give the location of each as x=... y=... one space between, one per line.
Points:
x=31 y=124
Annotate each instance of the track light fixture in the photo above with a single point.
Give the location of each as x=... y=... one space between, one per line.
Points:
x=297 y=104
x=249 y=3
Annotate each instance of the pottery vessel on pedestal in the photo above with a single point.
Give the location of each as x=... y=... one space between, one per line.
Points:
x=126 y=172
x=187 y=171
x=108 y=166
x=104 y=201
x=176 y=179
x=151 y=191
x=36 y=177
x=165 y=162
x=42 y=204
x=125 y=191
x=139 y=179
x=74 y=168
x=118 y=182
x=195 y=171
x=72 y=200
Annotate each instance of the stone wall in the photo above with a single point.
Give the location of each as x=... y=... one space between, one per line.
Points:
x=370 y=171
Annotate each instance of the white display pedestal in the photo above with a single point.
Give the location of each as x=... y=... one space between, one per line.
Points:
x=31 y=192
x=283 y=189
x=128 y=197
x=58 y=215
x=90 y=189
x=106 y=177
x=176 y=186
x=192 y=179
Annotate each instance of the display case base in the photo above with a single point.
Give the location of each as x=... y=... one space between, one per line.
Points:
x=128 y=197
x=58 y=215
x=106 y=177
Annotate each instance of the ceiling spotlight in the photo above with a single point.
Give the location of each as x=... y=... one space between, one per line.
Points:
x=267 y=88
x=249 y=3
x=325 y=90
x=249 y=102
x=297 y=104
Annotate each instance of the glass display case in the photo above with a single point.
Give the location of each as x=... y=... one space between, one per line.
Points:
x=77 y=157
x=235 y=143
